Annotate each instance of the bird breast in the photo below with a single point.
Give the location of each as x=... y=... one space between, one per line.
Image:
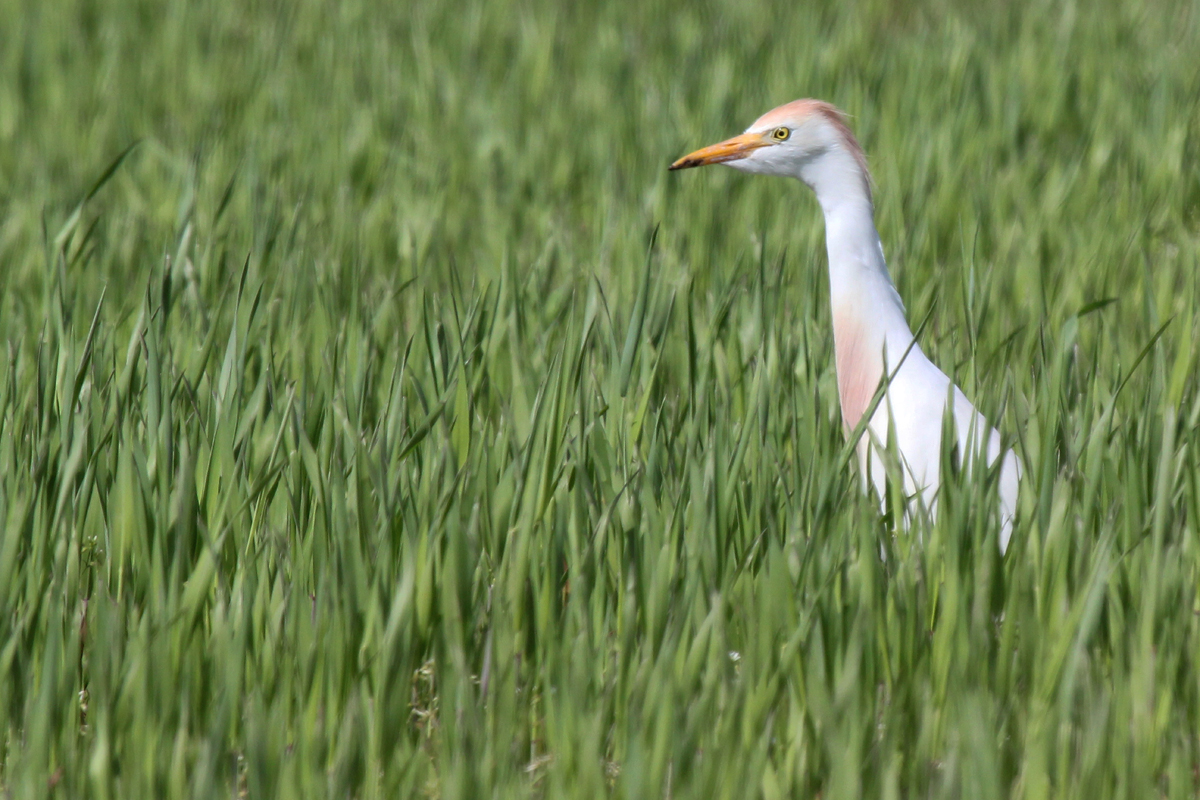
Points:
x=859 y=364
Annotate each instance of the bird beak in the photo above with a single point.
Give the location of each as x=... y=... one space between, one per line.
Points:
x=729 y=150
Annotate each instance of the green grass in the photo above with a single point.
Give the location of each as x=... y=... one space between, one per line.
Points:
x=356 y=442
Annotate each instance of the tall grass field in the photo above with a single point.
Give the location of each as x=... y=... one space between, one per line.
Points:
x=379 y=418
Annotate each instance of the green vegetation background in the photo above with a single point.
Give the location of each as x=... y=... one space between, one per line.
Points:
x=355 y=443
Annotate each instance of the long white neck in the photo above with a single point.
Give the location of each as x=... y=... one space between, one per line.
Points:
x=868 y=316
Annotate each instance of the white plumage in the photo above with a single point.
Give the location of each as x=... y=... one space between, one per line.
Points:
x=809 y=140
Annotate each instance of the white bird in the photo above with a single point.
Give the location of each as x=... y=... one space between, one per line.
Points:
x=872 y=342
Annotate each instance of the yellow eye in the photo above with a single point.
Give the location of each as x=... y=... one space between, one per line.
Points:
x=780 y=134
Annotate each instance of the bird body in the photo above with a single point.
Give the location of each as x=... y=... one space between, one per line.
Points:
x=873 y=343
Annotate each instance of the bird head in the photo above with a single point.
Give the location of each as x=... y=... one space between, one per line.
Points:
x=805 y=139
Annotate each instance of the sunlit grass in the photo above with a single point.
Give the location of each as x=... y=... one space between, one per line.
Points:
x=356 y=440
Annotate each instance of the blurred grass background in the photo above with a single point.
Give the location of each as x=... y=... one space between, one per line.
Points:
x=355 y=442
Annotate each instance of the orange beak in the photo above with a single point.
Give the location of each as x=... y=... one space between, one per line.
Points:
x=729 y=150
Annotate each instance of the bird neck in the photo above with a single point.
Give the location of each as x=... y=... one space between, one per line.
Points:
x=870 y=333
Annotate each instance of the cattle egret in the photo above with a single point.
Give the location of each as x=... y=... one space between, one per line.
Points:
x=872 y=342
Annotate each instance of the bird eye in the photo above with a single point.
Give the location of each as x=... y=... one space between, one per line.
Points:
x=780 y=134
